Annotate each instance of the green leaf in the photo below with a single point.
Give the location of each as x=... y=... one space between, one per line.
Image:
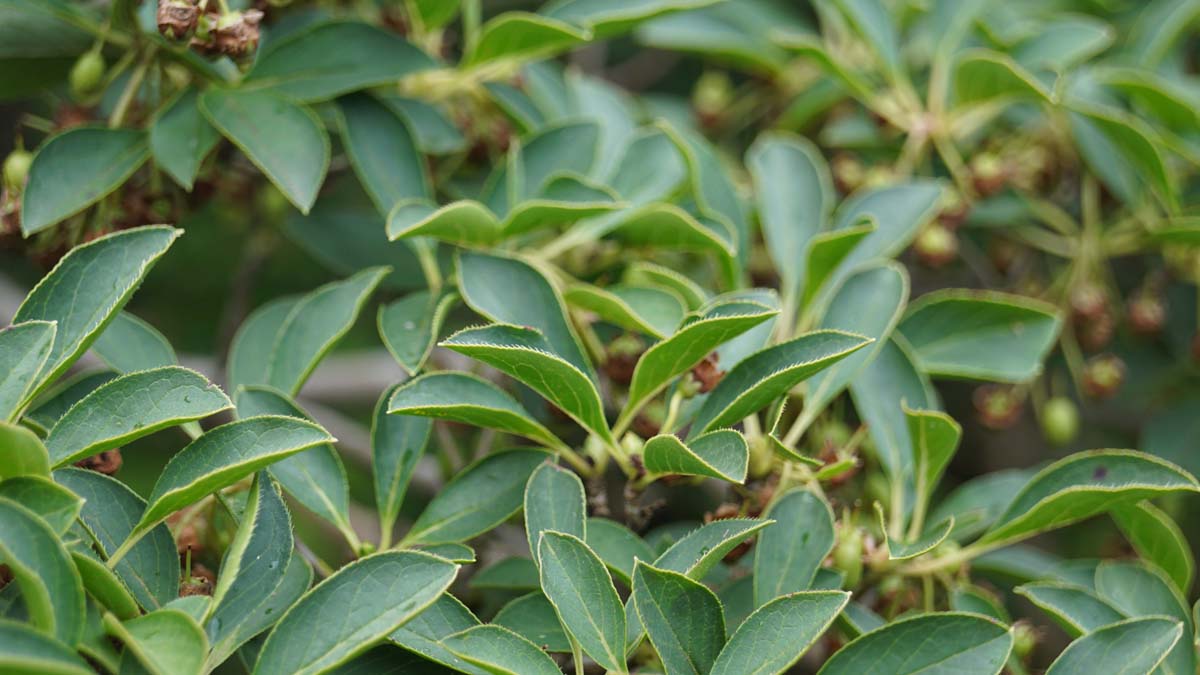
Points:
x=283 y=139
x=424 y=633
x=1064 y=41
x=510 y=574
x=164 y=642
x=934 y=436
x=129 y=344
x=382 y=150
x=759 y=379
x=469 y=399
x=26 y=650
x=789 y=553
x=554 y=500
x=966 y=643
x=898 y=211
x=410 y=327
x=777 y=634
x=251 y=352
x=501 y=651
x=721 y=454
x=21 y=453
x=1140 y=591
x=334 y=58
x=239 y=624
x=986 y=77
x=180 y=138
x=224 y=456
x=874 y=24
x=479 y=498
x=130 y=407
x=431 y=127
x=526 y=355
x=1156 y=538
x=980 y=334
x=642 y=309
x=386 y=590
x=512 y=291
x=825 y=252
x=87 y=287
x=979 y=501
x=583 y=595
x=532 y=617
x=683 y=619
x=110 y=511
x=650 y=274
x=51 y=502
x=699 y=335
x=435 y=13
x=315 y=477
x=1078 y=609
x=730 y=34
x=75 y=169
x=1141 y=643
x=522 y=35
x=697 y=553
x=397 y=444
x=42 y=569
x=911 y=547
x=1083 y=485
x=24 y=348
x=458 y=553
x=103 y=585
x=1134 y=140
x=606 y=18
x=617 y=546
x=662 y=225
x=60 y=398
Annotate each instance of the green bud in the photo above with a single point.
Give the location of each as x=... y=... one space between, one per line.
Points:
x=16 y=169
x=1024 y=639
x=87 y=75
x=848 y=556
x=1060 y=420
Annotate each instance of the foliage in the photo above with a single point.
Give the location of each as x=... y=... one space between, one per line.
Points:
x=679 y=381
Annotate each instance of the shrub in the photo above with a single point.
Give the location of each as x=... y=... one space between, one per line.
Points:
x=680 y=320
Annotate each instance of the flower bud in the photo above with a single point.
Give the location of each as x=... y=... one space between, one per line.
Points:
x=1060 y=420
x=87 y=75
x=16 y=169
x=1103 y=375
x=177 y=18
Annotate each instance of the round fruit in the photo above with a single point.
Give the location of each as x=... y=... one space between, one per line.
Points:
x=16 y=169
x=848 y=556
x=87 y=75
x=1060 y=420
x=1147 y=314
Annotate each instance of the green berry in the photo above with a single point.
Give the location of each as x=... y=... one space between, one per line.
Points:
x=848 y=556
x=16 y=169
x=1060 y=420
x=87 y=75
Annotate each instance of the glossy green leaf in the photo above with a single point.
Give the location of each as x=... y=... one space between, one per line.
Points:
x=21 y=453
x=42 y=568
x=583 y=595
x=1156 y=538
x=110 y=511
x=667 y=226
x=697 y=552
x=898 y=211
x=617 y=546
x=986 y=77
x=431 y=127
x=284 y=140
x=1140 y=591
x=789 y=553
x=410 y=327
x=424 y=633
x=777 y=634
x=1077 y=608
x=334 y=58
x=980 y=335
x=966 y=643
x=643 y=309
x=87 y=286
x=934 y=436
x=501 y=651
x=752 y=384
x=252 y=349
x=24 y=349
x=24 y=650
x=523 y=35
x=314 y=477
x=910 y=547
x=1064 y=41
x=469 y=399
x=386 y=590
x=264 y=610
x=180 y=138
x=130 y=407
x=75 y=169
x=683 y=619
x=650 y=274
x=103 y=585
x=397 y=444
x=1141 y=644
x=874 y=23
x=825 y=252
x=479 y=498
x=224 y=456
x=554 y=500
x=526 y=355
x=511 y=574
x=532 y=617
x=1135 y=143
x=605 y=18
x=383 y=152
x=164 y=642
x=51 y=502
x=129 y=344
x=721 y=454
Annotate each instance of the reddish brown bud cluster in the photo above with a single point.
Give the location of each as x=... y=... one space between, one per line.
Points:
x=707 y=373
x=233 y=34
x=1103 y=375
x=998 y=406
x=107 y=462
x=1091 y=311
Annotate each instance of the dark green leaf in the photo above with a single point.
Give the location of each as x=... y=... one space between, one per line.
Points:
x=522 y=35
x=51 y=502
x=397 y=444
x=22 y=453
x=104 y=586
x=721 y=454
x=966 y=643
x=24 y=348
x=1078 y=609
x=164 y=642
x=576 y=583
x=1157 y=539
x=789 y=553
x=683 y=619
x=554 y=500
x=1142 y=644
x=180 y=138
x=533 y=618
x=501 y=651
x=410 y=327
x=382 y=151
x=43 y=570
x=129 y=344
x=424 y=633
x=777 y=634
x=26 y=650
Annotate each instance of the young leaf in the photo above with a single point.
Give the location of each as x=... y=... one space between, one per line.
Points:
x=386 y=590
x=532 y=617
x=1082 y=485
x=987 y=77
x=382 y=151
x=789 y=553
x=965 y=643
x=650 y=274
x=103 y=585
x=180 y=138
x=90 y=284
x=682 y=618
x=1157 y=539
x=697 y=553
x=554 y=500
x=528 y=356
x=1141 y=643
x=1076 y=608
x=129 y=344
x=522 y=35
x=934 y=436
x=224 y=456
x=501 y=651
x=130 y=407
x=584 y=598
x=234 y=629
x=662 y=225
x=825 y=252
x=24 y=348
x=51 y=502
x=898 y=211
x=284 y=140
x=643 y=309
x=410 y=327
x=721 y=454
x=42 y=569
x=469 y=399
x=617 y=546
x=110 y=511
x=26 y=650
x=980 y=335
x=165 y=641
x=479 y=498
x=424 y=633
x=777 y=634
x=752 y=384
x=397 y=444
x=75 y=169
x=21 y=453
x=912 y=547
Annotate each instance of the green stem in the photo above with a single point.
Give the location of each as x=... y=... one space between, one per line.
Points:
x=576 y=656
x=130 y=93
x=472 y=17
x=129 y=543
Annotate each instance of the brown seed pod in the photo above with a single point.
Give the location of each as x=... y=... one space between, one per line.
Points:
x=1103 y=375
x=998 y=406
x=107 y=462
x=707 y=373
x=177 y=18
x=1147 y=313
